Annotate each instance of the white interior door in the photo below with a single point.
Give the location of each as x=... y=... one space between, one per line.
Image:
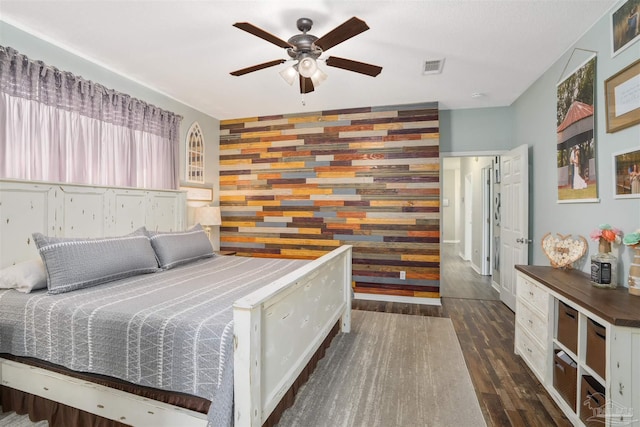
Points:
x=514 y=227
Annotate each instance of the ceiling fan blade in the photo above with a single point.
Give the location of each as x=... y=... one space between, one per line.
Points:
x=257 y=67
x=259 y=32
x=306 y=85
x=351 y=65
x=345 y=31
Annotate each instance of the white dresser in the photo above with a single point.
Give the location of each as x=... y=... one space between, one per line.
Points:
x=582 y=343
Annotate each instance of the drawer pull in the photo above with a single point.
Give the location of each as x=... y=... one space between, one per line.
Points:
x=594 y=397
x=531 y=322
x=621 y=389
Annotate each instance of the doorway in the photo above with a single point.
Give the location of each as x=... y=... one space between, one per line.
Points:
x=467 y=255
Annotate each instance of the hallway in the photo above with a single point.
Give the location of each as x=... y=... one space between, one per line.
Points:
x=458 y=279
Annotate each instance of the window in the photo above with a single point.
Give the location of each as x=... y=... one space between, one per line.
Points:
x=195 y=154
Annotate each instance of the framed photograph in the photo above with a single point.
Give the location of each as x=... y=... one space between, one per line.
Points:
x=626 y=167
x=201 y=194
x=575 y=136
x=622 y=93
x=625 y=26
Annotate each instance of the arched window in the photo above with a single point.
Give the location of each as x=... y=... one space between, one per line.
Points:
x=195 y=154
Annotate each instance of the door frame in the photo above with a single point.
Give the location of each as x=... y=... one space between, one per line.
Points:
x=486 y=264
x=468 y=216
x=490 y=153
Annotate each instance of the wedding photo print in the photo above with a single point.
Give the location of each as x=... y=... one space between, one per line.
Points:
x=627 y=169
x=576 y=144
x=625 y=26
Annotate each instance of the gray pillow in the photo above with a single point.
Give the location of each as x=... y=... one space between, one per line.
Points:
x=180 y=247
x=80 y=263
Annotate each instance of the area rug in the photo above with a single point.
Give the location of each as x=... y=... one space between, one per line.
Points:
x=391 y=370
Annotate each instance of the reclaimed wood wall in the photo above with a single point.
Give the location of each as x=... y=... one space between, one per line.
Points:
x=300 y=185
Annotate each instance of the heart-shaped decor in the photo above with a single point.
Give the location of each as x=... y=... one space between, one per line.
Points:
x=563 y=251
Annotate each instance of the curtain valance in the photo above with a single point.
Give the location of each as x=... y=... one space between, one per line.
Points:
x=34 y=80
x=56 y=126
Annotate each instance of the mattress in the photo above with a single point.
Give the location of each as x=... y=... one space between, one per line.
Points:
x=171 y=330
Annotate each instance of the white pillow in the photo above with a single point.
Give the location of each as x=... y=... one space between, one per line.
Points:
x=24 y=276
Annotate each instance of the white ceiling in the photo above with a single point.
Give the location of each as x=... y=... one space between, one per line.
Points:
x=186 y=49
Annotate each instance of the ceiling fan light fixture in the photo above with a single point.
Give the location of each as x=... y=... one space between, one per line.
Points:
x=307 y=66
x=318 y=77
x=289 y=75
x=306 y=49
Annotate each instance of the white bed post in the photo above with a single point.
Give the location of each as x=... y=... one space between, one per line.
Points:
x=246 y=371
x=345 y=322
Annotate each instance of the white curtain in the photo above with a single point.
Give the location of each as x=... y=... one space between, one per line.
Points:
x=55 y=126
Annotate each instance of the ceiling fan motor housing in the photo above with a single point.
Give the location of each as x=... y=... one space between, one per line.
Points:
x=303 y=43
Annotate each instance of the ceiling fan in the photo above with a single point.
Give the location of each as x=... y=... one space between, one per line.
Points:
x=306 y=49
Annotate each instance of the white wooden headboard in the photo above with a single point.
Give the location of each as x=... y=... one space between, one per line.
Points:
x=65 y=210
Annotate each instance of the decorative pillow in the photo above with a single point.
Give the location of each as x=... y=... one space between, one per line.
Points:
x=181 y=247
x=80 y=263
x=25 y=276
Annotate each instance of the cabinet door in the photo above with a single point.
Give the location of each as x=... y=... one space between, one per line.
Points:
x=623 y=378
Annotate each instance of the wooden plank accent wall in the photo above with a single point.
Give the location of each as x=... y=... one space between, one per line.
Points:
x=298 y=186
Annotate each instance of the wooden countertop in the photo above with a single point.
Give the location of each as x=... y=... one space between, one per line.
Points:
x=616 y=306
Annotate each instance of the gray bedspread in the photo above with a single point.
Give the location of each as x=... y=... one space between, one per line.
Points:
x=171 y=330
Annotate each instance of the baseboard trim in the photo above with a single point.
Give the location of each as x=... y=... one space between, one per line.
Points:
x=398 y=298
x=475 y=268
x=495 y=286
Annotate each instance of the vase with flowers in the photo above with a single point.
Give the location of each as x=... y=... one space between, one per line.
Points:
x=633 y=241
x=604 y=265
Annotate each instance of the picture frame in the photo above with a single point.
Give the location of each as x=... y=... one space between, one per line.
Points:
x=622 y=98
x=200 y=194
x=626 y=170
x=625 y=26
x=576 y=139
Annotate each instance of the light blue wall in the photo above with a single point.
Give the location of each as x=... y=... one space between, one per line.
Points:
x=38 y=49
x=534 y=115
x=476 y=129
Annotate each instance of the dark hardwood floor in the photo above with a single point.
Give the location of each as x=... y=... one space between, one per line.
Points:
x=459 y=280
x=508 y=392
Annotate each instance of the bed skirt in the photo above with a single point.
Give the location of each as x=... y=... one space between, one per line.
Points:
x=60 y=415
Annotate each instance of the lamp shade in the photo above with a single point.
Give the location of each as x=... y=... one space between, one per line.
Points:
x=307 y=66
x=289 y=75
x=208 y=215
x=318 y=77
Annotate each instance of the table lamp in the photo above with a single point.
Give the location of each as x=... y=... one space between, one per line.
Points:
x=208 y=216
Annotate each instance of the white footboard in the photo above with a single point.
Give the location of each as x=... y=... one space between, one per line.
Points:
x=279 y=328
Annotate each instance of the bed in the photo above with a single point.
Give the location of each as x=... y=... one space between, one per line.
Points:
x=280 y=316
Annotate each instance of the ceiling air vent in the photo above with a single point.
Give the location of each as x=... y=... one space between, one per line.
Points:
x=432 y=66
